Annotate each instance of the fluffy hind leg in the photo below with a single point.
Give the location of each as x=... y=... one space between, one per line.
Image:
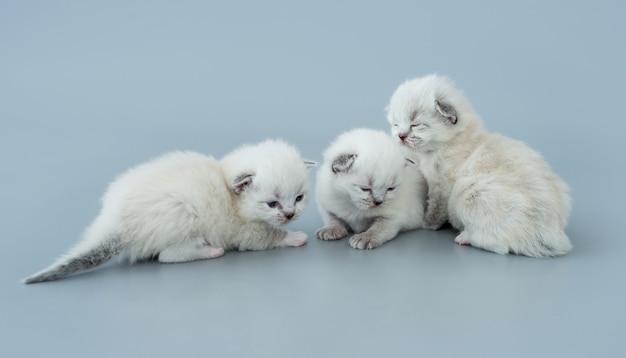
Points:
x=486 y=211
x=196 y=250
x=482 y=241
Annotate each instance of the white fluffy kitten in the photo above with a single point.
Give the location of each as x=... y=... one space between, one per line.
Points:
x=187 y=206
x=367 y=186
x=498 y=191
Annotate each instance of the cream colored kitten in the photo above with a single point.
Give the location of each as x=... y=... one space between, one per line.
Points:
x=187 y=206
x=366 y=186
x=499 y=192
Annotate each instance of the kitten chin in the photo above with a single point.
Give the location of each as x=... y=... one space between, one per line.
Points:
x=187 y=206
x=371 y=190
x=498 y=192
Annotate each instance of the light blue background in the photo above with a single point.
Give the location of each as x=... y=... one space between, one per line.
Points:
x=88 y=89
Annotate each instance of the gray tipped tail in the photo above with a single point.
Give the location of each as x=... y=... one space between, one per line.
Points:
x=79 y=262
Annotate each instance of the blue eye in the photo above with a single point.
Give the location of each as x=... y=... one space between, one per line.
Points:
x=299 y=198
x=272 y=204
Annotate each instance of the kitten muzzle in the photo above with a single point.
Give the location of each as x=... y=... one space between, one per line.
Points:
x=411 y=142
x=405 y=139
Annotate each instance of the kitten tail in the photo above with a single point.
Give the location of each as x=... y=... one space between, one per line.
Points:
x=557 y=244
x=83 y=258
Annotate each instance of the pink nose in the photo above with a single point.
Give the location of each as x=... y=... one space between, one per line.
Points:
x=403 y=136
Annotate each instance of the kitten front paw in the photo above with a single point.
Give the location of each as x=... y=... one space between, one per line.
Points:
x=332 y=233
x=293 y=239
x=363 y=241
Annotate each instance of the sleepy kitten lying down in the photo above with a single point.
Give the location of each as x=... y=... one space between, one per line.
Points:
x=499 y=192
x=367 y=186
x=186 y=206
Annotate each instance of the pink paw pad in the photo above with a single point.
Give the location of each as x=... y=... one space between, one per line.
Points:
x=215 y=252
x=461 y=240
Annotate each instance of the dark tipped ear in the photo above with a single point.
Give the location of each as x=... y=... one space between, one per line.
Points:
x=241 y=182
x=309 y=164
x=409 y=162
x=446 y=110
x=343 y=162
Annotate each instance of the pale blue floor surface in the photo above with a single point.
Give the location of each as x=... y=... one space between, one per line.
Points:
x=89 y=90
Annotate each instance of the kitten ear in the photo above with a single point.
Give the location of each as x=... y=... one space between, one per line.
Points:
x=343 y=162
x=446 y=110
x=309 y=164
x=409 y=162
x=241 y=182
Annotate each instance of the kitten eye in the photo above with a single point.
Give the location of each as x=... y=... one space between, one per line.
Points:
x=366 y=190
x=299 y=198
x=391 y=188
x=272 y=204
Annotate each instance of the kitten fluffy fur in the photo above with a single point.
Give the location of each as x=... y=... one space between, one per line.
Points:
x=187 y=206
x=367 y=186
x=497 y=191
